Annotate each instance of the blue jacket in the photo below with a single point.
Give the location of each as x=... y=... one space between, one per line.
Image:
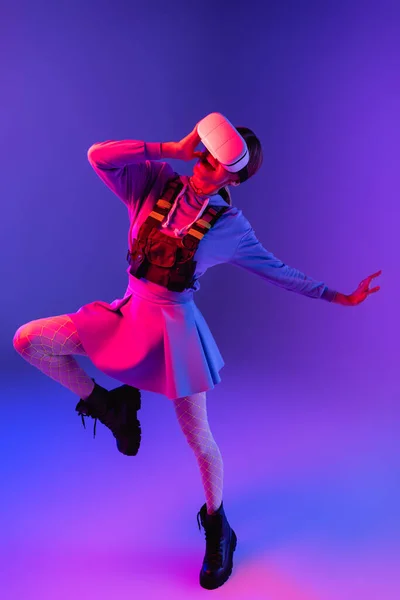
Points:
x=134 y=172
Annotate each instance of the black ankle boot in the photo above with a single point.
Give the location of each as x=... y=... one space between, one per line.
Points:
x=117 y=410
x=221 y=542
x=126 y=401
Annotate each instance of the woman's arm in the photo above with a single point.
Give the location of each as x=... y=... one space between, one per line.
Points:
x=127 y=167
x=130 y=167
x=251 y=255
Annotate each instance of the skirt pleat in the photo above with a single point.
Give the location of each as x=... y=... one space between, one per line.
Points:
x=153 y=339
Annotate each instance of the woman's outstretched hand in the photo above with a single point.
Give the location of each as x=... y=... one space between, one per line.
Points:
x=361 y=293
x=185 y=149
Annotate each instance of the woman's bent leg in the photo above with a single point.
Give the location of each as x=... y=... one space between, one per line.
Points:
x=48 y=344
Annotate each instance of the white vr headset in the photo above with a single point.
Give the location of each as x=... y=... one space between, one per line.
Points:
x=224 y=143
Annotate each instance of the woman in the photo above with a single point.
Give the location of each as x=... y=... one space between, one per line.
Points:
x=155 y=338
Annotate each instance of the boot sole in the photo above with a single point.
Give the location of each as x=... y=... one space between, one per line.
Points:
x=213 y=584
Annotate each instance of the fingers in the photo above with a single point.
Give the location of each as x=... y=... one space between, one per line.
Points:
x=375 y=274
x=367 y=281
x=194 y=134
x=191 y=138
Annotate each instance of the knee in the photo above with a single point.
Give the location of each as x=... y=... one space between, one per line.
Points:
x=201 y=442
x=23 y=337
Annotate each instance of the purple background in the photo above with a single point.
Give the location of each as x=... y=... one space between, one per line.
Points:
x=307 y=413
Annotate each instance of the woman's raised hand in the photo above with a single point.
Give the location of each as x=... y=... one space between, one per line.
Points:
x=185 y=149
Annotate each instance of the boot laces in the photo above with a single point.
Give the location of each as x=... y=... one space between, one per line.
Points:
x=83 y=415
x=116 y=414
x=107 y=417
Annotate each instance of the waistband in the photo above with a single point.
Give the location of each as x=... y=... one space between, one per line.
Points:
x=157 y=294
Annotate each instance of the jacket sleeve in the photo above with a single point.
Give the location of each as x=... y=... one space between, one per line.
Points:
x=251 y=255
x=127 y=167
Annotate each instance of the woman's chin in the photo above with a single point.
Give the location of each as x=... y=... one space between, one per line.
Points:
x=197 y=176
x=198 y=181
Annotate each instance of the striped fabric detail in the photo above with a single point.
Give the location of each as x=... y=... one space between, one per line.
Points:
x=195 y=233
x=156 y=215
x=163 y=203
x=203 y=223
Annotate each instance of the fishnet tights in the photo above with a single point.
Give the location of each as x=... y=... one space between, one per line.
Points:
x=48 y=345
x=192 y=416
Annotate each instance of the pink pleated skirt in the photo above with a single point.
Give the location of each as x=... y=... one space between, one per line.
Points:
x=153 y=339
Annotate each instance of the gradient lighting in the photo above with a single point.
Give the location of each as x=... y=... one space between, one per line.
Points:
x=306 y=414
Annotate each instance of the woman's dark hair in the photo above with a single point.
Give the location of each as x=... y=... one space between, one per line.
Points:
x=255 y=150
x=225 y=193
x=255 y=158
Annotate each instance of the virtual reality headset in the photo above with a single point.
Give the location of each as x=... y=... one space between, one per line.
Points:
x=224 y=143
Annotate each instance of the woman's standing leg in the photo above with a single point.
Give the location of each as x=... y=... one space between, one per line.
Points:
x=192 y=416
x=221 y=539
x=48 y=345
